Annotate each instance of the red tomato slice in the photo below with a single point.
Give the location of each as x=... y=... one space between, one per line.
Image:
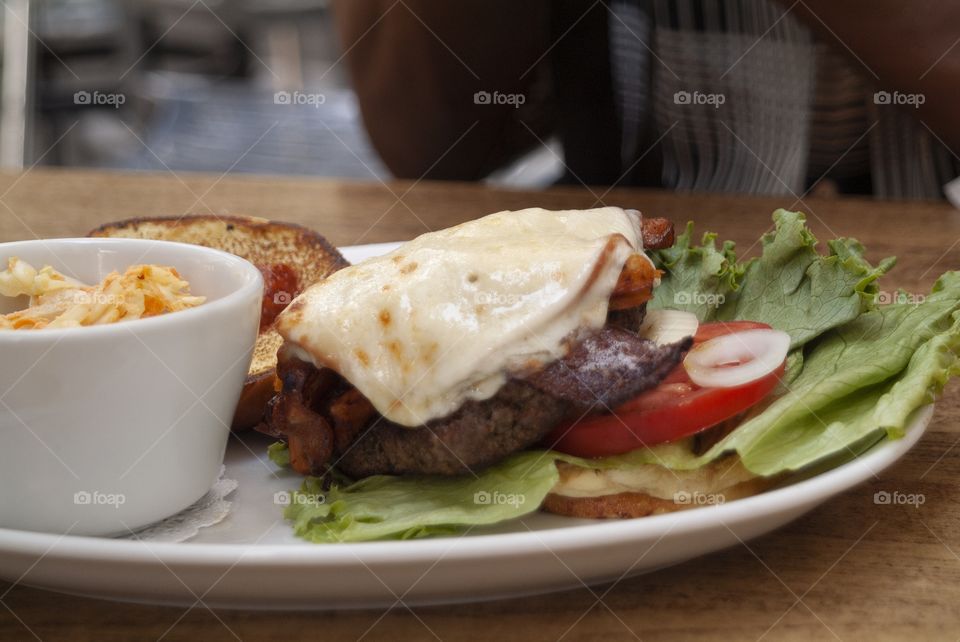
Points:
x=708 y=331
x=675 y=409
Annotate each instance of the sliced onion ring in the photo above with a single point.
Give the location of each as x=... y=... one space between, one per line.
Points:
x=738 y=358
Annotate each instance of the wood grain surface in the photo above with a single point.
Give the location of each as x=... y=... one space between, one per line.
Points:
x=849 y=570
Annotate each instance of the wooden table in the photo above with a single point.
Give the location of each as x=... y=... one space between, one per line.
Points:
x=850 y=569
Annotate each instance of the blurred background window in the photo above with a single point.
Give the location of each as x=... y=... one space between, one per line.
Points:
x=258 y=86
x=201 y=85
x=240 y=86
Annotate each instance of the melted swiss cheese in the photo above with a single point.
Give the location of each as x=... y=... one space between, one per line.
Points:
x=446 y=317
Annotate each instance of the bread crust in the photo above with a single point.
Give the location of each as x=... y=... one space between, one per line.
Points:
x=307 y=237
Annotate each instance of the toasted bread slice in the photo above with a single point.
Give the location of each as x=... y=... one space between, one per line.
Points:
x=629 y=504
x=653 y=491
x=264 y=243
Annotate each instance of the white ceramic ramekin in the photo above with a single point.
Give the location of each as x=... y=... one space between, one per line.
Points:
x=105 y=429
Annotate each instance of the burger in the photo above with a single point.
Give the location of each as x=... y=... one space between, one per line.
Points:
x=464 y=346
x=591 y=364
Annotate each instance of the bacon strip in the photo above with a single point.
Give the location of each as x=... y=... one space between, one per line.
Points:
x=635 y=285
x=657 y=233
x=293 y=413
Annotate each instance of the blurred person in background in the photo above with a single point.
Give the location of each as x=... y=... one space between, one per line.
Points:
x=749 y=96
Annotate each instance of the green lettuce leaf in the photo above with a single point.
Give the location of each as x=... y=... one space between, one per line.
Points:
x=279 y=454
x=697 y=278
x=407 y=507
x=790 y=285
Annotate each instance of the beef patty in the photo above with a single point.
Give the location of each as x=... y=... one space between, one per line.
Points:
x=479 y=434
x=327 y=422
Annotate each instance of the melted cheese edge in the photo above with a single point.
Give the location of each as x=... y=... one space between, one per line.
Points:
x=445 y=317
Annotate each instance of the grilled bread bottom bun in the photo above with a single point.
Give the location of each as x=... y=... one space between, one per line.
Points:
x=290 y=257
x=649 y=489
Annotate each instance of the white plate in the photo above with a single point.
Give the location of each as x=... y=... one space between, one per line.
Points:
x=252 y=560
